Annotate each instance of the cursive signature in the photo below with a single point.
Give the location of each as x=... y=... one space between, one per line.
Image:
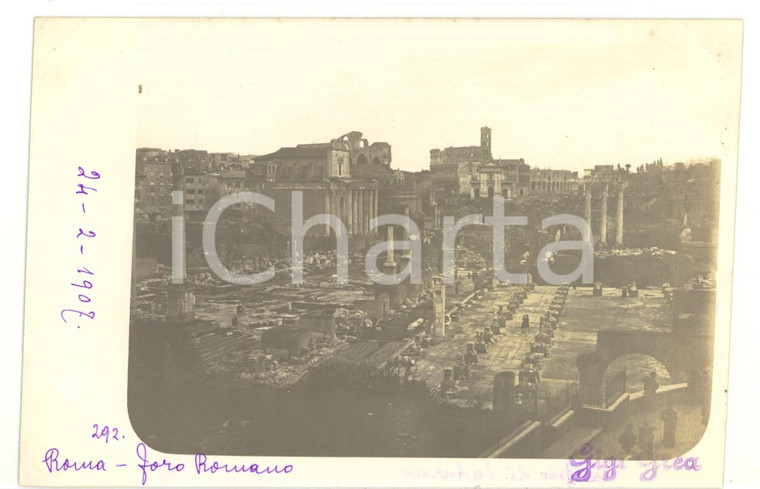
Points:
x=610 y=466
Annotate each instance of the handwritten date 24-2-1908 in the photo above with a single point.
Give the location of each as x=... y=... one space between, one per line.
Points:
x=83 y=284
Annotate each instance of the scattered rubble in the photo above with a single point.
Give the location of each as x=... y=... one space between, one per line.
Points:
x=653 y=251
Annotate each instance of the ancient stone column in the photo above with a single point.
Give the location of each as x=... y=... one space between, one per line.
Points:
x=406 y=253
x=362 y=213
x=619 y=221
x=335 y=204
x=179 y=260
x=350 y=211
x=587 y=212
x=389 y=257
x=356 y=211
x=327 y=210
x=439 y=307
x=371 y=209
x=368 y=209
x=374 y=202
x=341 y=206
x=357 y=227
x=180 y=307
x=603 y=219
x=365 y=210
x=359 y=211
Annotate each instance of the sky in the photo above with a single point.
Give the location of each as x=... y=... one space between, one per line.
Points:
x=560 y=94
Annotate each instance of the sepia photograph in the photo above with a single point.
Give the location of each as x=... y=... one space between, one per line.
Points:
x=430 y=238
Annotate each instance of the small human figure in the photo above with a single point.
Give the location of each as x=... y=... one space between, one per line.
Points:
x=670 y=417
x=650 y=388
x=627 y=439
x=646 y=442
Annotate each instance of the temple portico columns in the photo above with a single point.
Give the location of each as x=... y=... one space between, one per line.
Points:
x=374 y=202
x=350 y=211
x=365 y=210
x=357 y=214
x=368 y=202
x=362 y=213
x=369 y=210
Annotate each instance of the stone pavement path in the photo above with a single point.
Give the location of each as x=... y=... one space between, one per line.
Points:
x=507 y=354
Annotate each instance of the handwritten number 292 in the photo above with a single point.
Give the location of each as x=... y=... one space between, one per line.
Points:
x=105 y=433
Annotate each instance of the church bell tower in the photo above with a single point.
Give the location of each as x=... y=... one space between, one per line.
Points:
x=485 y=140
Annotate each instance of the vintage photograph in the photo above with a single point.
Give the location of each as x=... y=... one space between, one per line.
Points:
x=454 y=239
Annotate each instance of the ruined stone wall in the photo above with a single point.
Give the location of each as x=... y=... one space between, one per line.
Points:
x=380 y=153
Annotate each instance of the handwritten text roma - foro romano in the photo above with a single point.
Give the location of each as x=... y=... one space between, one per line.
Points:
x=55 y=463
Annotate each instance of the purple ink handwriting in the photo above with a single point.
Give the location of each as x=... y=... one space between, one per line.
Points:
x=53 y=463
x=203 y=465
x=146 y=465
x=590 y=468
x=83 y=285
x=106 y=433
x=453 y=471
x=680 y=463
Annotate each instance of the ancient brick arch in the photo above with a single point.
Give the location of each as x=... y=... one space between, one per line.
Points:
x=685 y=351
x=681 y=355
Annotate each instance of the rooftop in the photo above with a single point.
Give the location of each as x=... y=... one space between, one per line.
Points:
x=300 y=151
